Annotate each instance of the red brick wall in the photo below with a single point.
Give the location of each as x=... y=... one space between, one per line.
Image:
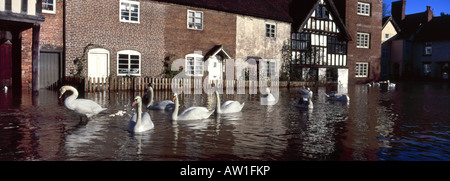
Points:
x=97 y=22
x=219 y=28
x=364 y=24
x=51 y=38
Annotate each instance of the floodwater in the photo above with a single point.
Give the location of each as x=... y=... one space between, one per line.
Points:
x=409 y=123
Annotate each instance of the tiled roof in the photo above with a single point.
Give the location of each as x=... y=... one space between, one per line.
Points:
x=270 y=9
x=437 y=29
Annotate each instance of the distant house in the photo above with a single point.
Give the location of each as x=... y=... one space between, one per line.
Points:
x=430 y=50
x=388 y=35
x=399 y=60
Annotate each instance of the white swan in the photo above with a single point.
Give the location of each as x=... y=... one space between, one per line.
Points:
x=166 y=105
x=85 y=107
x=390 y=85
x=268 y=98
x=192 y=113
x=342 y=97
x=140 y=121
x=228 y=106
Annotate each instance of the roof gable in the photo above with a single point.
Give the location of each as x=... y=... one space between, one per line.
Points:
x=302 y=11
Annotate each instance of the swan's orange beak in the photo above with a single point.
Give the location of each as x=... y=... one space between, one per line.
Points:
x=134 y=103
x=173 y=100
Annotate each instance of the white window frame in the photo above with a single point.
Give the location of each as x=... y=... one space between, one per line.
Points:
x=362 y=40
x=363 y=9
x=129 y=15
x=271 y=31
x=129 y=53
x=362 y=69
x=197 y=62
x=49 y=11
x=194 y=26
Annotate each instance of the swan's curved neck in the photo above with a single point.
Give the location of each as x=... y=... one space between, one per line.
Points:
x=218 y=103
x=74 y=94
x=150 y=98
x=139 y=113
x=175 y=109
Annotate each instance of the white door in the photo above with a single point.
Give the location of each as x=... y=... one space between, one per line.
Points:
x=214 y=69
x=98 y=63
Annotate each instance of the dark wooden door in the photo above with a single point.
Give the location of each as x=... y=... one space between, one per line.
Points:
x=5 y=65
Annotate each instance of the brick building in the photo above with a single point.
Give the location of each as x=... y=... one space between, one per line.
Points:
x=363 y=20
x=114 y=38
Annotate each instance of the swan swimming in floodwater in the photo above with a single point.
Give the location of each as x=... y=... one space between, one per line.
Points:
x=342 y=97
x=140 y=121
x=268 y=98
x=192 y=113
x=166 y=105
x=228 y=106
x=85 y=107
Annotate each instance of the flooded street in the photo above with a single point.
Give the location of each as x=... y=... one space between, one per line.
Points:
x=409 y=123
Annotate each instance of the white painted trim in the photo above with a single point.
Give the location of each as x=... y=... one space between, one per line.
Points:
x=363 y=5
x=47 y=11
x=187 y=19
x=129 y=52
x=139 y=11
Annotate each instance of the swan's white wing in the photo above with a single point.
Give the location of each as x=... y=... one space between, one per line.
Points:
x=161 y=105
x=231 y=107
x=195 y=113
x=86 y=107
x=147 y=122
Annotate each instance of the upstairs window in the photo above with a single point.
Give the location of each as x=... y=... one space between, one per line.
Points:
x=195 y=20
x=362 y=40
x=271 y=30
x=48 y=6
x=301 y=41
x=335 y=46
x=428 y=48
x=129 y=11
x=363 y=9
x=322 y=12
x=129 y=63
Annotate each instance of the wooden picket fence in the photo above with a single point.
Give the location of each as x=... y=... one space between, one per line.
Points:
x=141 y=83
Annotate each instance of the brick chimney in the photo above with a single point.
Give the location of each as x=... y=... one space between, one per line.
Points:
x=398 y=10
x=430 y=14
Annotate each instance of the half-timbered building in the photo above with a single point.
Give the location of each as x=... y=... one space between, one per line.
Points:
x=319 y=42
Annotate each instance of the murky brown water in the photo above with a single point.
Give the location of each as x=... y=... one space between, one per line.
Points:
x=410 y=123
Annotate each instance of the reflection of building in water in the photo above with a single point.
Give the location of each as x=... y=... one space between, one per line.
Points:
x=264 y=137
x=363 y=126
x=321 y=127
